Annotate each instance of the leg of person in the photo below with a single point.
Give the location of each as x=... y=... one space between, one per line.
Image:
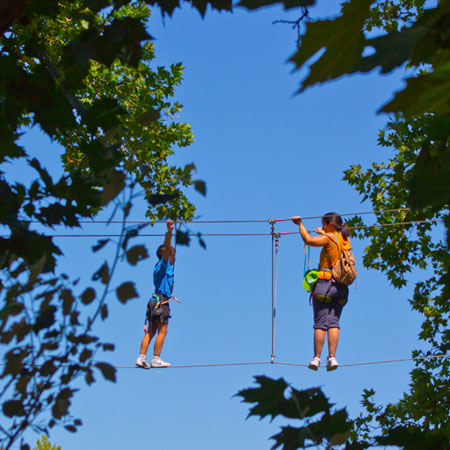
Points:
x=333 y=339
x=319 y=340
x=333 y=334
x=141 y=360
x=320 y=328
x=159 y=342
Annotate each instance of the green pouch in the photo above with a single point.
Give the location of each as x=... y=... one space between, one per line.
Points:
x=310 y=279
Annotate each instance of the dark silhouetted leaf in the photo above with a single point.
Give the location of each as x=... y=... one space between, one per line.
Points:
x=149 y=116
x=200 y=186
x=343 y=40
x=269 y=398
x=157 y=199
x=68 y=300
x=13 y=408
x=104 y=312
x=108 y=371
x=182 y=237
x=136 y=254
x=126 y=291
x=113 y=188
x=45 y=319
x=100 y=244
x=102 y=274
x=88 y=296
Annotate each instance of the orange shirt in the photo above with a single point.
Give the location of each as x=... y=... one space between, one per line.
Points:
x=333 y=250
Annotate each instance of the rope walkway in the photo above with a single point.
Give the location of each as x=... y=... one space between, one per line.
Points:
x=275 y=246
x=281 y=363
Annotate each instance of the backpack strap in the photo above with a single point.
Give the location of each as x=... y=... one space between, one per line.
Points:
x=340 y=249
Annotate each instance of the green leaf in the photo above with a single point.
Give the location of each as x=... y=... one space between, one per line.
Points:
x=126 y=291
x=343 y=40
x=292 y=438
x=391 y=50
x=310 y=401
x=269 y=398
x=431 y=94
x=108 y=371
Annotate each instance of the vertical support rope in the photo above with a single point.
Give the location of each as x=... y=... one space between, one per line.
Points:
x=272 y=230
x=275 y=246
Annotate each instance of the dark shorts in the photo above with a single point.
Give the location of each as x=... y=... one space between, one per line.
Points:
x=163 y=316
x=329 y=298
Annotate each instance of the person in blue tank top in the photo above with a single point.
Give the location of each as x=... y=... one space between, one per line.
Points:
x=158 y=309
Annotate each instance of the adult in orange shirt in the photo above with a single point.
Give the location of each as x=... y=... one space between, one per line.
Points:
x=328 y=296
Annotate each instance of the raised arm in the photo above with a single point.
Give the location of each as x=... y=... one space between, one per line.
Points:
x=168 y=240
x=316 y=241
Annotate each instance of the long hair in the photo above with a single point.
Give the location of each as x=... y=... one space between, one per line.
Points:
x=338 y=223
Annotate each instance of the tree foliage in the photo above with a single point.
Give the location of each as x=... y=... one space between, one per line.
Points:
x=45 y=444
x=82 y=72
x=415 y=183
x=320 y=425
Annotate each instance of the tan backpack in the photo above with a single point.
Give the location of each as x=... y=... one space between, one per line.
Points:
x=344 y=271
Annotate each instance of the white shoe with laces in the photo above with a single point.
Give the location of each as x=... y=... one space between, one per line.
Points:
x=142 y=363
x=332 y=364
x=158 y=362
x=314 y=363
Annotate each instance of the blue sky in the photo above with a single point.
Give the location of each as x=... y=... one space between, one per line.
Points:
x=264 y=153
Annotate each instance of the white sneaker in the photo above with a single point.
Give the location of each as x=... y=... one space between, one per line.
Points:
x=142 y=362
x=158 y=362
x=314 y=364
x=332 y=364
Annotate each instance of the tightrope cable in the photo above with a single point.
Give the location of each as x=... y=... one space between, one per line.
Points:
x=283 y=363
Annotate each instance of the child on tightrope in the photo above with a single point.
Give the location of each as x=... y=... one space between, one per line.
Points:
x=158 y=309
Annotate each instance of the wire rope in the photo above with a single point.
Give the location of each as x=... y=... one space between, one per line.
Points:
x=285 y=233
x=382 y=211
x=282 y=363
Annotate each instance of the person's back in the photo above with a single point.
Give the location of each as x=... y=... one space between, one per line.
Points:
x=328 y=295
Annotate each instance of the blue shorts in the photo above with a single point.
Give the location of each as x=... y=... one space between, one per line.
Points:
x=329 y=298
